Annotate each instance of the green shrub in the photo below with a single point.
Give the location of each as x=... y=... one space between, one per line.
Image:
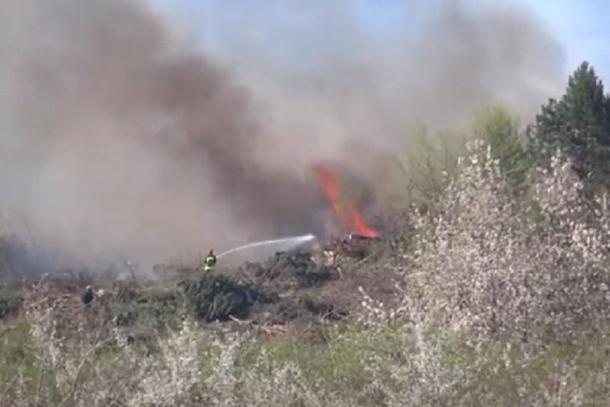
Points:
x=217 y=297
x=500 y=130
x=10 y=301
x=147 y=308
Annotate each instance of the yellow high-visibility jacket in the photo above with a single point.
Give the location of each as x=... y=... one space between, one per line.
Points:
x=208 y=263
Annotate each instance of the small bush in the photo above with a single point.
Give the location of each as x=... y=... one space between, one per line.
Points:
x=217 y=297
x=10 y=302
x=147 y=309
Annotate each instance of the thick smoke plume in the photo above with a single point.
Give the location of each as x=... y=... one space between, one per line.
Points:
x=116 y=141
x=343 y=86
x=118 y=138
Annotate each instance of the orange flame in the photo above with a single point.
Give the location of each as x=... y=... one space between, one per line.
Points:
x=344 y=210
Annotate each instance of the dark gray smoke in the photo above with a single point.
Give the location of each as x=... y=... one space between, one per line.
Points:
x=330 y=81
x=116 y=137
x=114 y=140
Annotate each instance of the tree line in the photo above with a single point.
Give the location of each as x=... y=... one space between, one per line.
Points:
x=577 y=125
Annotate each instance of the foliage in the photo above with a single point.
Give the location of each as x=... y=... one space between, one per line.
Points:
x=10 y=302
x=480 y=268
x=218 y=297
x=430 y=160
x=149 y=308
x=579 y=125
x=426 y=164
x=385 y=364
x=497 y=128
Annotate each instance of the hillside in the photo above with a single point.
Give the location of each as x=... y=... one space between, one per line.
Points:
x=303 y=204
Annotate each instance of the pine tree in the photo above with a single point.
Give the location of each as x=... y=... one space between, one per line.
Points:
x=579 y=125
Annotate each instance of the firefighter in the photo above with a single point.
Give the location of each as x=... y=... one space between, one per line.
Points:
x=209 y=262
x=87 y=296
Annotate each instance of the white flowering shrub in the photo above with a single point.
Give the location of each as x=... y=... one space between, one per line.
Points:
x=221 y=378
x=68 y=358
x=171 y=376
x=268 y=383
x=229 y=381
x=481 y=265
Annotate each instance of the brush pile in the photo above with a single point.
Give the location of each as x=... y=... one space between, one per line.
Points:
x=287 y=289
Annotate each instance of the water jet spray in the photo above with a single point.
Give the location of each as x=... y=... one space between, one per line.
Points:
x=287 y=243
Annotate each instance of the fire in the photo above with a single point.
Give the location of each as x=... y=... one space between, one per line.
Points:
x=345 y=210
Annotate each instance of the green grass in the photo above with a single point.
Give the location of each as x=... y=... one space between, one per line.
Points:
x=500 y=375
x=10 y=301
x=17 y=354
x=337 y=360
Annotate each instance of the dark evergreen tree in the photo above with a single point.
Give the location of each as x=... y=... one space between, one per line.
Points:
x=579 y=125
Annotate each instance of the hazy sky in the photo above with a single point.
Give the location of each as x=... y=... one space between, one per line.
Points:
x=579 y=25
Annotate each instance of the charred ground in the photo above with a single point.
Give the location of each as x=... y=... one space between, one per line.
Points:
x=289 y=292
